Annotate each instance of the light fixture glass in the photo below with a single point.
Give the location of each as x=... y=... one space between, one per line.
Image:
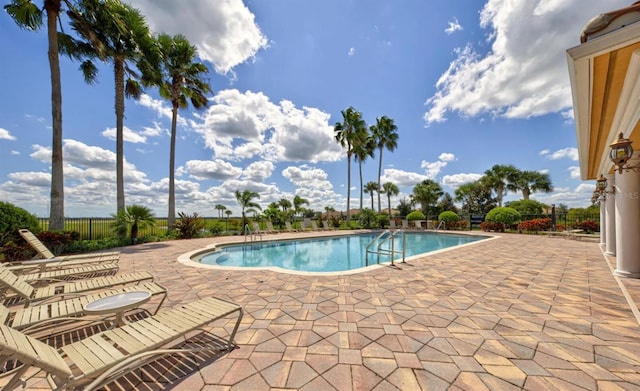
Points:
x=601 y=183
x=621 y=151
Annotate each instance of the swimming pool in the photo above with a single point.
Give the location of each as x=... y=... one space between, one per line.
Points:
x=327 y=254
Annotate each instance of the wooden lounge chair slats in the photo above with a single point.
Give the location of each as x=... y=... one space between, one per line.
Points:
x=30 y=316
x=86 y=271
x=44 y=252
x=105 y=356
x=27 y=268
x=9 y=282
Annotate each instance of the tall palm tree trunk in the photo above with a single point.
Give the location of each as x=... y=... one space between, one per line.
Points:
x=361 y=185
x=118 y=67
x=171 y=216
x=389 y=202
x=56 y=213
x=348 y=190
x=379 y=185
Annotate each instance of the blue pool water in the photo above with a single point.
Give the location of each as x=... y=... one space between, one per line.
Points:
x=326 y=254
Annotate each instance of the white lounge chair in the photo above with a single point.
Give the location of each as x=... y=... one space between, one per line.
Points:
x=83 y=271
x=24 y=292
x=98 y=360
x=289 y=228
x=60 y=261
x=41 y=316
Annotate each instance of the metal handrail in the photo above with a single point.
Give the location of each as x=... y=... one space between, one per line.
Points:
x=383 y=238
x=441 y=224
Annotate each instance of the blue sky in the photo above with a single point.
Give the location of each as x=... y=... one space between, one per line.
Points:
x=469 y=85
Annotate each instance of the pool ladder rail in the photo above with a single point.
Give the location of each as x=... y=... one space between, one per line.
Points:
x=252 y=236
x=386 y=237
x=440 y=225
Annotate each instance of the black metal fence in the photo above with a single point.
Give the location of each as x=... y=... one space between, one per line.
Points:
x=93 y=228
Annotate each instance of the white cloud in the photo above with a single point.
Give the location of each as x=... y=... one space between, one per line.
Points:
x=544 y=152
x=162 y=109
x=258 y=171
x=402 y=178
x=5 y=135
x=352 y=51
x=244 y=125
x=38 y=179
x=574 y=172
x=225 y=32
x=14 y=152
x=434 y=168
x=524 y=74
x=454 y=26
x=571 y=153
x=446 y=157
x=128 y=135
x=208 y=169
x=456 y=180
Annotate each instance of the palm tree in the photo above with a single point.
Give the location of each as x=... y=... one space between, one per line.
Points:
x=390 y=189
x=180 y=81
x=348 y=132
x=370 y=188
x=220 y=208
x=135 y=216
x=532 y=181
x=245 y=199
x=498 y=178
x=362 y=149
x=426 y=193
x=476 y=198
x=298 y=202
x=385 y=135
x=285 y=204
x=117 y=32
x=29 y=16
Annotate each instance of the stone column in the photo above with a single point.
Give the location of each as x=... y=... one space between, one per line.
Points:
x=610 y=216
x=628 y=221
x=603 y=221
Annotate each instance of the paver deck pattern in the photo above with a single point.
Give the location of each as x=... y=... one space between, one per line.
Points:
x=517 y=312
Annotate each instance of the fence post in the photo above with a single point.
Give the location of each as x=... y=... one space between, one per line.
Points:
x=90 y=228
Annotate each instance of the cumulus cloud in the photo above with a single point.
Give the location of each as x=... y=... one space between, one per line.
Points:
x=5 y=135
x=454 y=26
x=245 y=125
x=312 y=183
x=434 y=168
x=574 y=172
x=128 y=135
x=456 y=180
x=524 y=74
x=571 y=153
x=225 y=32
x=352 y=51
x=210 y=169
x=402 y=178
x=258 y=171
x=544 y=152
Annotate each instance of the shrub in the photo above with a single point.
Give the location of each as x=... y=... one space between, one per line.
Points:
x=415 y=215
x=13 y=218
x=588 y=226
x=527 y=207
x=58 y=242
x=368 y=218
x=216 y=228
x=383 y=220
x=449 y=218
x=188 y=226
x=488 y=226
x=133 y=217
x=506 y=216
x=335 y=221
x=459 y=225
x=535 y=225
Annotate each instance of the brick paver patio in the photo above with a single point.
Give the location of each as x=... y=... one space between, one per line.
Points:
x=516 y=312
